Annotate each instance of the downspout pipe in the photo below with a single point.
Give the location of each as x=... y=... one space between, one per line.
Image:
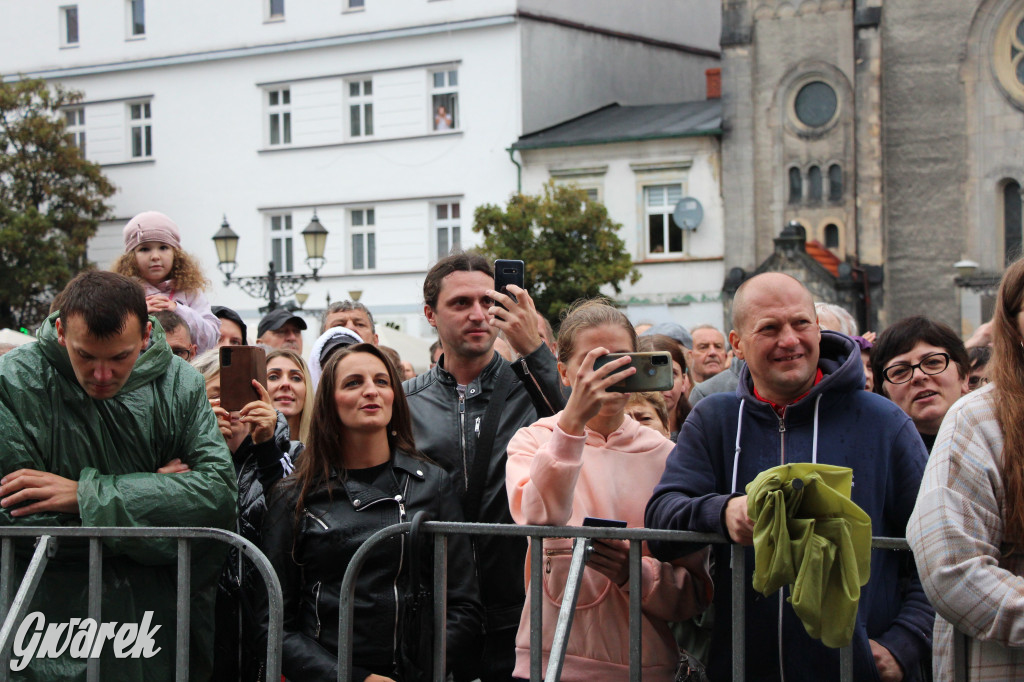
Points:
x=519 y=169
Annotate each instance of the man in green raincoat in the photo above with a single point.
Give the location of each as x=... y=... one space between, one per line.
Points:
x=87 y=417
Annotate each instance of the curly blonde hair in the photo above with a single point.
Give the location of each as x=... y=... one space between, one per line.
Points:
x=185 y=271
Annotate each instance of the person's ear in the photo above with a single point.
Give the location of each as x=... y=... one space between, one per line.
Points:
x=428 y=312
x=563 y=373
x=147 y=333
x=61 y=339
x=735 y=342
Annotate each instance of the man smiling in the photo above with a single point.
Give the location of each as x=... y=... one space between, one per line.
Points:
x=88 y=416
x=800 y=398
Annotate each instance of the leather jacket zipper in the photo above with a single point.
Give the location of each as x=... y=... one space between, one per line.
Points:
x=316 y=519
x=316 y=608
x=401 y=558
x=533 y=380
x=462 y=437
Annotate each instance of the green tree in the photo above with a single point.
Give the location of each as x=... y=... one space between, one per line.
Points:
x=51 y=200
x=569 y=244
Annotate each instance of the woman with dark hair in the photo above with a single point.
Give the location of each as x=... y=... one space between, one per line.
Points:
x=360 y=472
x=922 y=366
x=676 y=398
x=967 y=530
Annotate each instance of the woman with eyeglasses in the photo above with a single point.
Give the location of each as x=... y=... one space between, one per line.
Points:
x=967 y=529
x=922 y=366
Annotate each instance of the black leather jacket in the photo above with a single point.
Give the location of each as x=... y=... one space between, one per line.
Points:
x=310 y=556
x=258 y=467
x=446 y=429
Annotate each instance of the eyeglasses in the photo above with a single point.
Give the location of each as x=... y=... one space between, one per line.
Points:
x=183 y=353
x=902 y=372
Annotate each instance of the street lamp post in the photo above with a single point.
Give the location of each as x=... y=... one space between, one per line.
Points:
x=272 y=286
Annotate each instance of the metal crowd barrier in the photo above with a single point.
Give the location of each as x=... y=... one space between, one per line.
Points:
x=535 y=533
x=13 y=610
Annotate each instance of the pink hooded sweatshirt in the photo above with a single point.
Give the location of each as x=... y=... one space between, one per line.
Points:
x=193 y=307
x=556 y=479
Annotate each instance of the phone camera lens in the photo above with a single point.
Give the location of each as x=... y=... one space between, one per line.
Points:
x=651 y=371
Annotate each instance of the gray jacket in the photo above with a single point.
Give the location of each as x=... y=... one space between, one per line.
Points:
x=447 y=427
x=723 y=382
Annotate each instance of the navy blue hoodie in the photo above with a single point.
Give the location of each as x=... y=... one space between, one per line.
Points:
x=855 y=429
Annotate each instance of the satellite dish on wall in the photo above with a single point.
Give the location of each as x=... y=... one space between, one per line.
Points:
x=688 y=213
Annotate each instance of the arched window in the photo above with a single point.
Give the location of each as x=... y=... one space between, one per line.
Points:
x=835 y=182
x=1011 y=221
x=831 y=236
x=796 y=186
x=814 y=184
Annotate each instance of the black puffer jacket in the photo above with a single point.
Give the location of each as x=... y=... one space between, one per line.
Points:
x=258 y=466
x=310 y=555
x=447 y=428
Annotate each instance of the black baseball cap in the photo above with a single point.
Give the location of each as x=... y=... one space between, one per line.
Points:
x=277 y=318
x=225 y=313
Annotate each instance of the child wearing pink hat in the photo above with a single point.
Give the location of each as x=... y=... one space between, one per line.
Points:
x=172 y=278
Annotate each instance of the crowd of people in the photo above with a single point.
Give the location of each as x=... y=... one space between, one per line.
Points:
x=114 y=418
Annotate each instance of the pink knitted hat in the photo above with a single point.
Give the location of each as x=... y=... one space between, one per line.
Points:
x=151 y=226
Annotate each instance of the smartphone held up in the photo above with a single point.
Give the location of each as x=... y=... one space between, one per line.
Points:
x=509 y=272
x=653 y=371
x=239 y=365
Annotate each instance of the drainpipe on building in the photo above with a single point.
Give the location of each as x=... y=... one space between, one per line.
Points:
x=519 y=170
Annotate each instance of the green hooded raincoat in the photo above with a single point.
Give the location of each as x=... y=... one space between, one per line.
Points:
x=113 y=448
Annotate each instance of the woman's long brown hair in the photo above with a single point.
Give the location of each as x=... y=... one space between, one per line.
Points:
x=326 y=446
x=1007 y=371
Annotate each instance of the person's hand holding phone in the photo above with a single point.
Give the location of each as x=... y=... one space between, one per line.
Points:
x=590 y=390
x=518 y=319
x=259 y=415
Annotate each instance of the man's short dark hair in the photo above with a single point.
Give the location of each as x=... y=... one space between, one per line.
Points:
x=172 y=321
x=902 y=336
x=106 y=300
x=345 y=306
x=464 y=261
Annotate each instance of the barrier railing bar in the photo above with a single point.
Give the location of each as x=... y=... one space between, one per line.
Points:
x=567 y=611
x=738 y=564
x=262 y=564
x=959 y=655
x=440 y=590
x=635 y=594
x=95 y=608
x=184 y=609
x=536 y=607
x=26 y=591
x=846 y=664
x=6 y=587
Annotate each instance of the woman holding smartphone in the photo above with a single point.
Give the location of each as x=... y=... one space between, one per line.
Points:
x=360 y=473
x=592 y=460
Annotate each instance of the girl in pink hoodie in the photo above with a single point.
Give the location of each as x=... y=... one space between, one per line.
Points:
x=592 y=459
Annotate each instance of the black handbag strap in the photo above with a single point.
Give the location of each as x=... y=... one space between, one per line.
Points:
x=485 y=443
x=415 y=541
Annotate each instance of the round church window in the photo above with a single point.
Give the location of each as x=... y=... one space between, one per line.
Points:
x=1008 y=59
x=815 y=104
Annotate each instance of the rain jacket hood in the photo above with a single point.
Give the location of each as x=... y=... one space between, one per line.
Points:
x=112 y=448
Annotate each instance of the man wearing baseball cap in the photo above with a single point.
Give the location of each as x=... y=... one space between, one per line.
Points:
x=280 y=328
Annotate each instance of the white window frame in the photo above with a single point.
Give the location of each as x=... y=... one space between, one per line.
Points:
x=144 y=124
x=444 y=87
x=75 y=126
x=65 y=12
x=130 y=8
x=359 y=94
x=363 y=239
x=354 y=5
x=281 y=243
x=667 y=200
x=279 y=109
x=271 y=15
x=451 y=224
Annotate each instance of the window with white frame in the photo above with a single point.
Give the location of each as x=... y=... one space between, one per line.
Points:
x=75 y=118
x=360 y=108
x=279 y=106
x=281 y=243
x=445 y=99
x=275 y=9
x=140 y=129
x=664 y=237
x=69 y=25
x=447 y=228
x=355 y=4
x=364 y=238
x=136 y=18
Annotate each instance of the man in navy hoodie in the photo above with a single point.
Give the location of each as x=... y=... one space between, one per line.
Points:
x=801 y=398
